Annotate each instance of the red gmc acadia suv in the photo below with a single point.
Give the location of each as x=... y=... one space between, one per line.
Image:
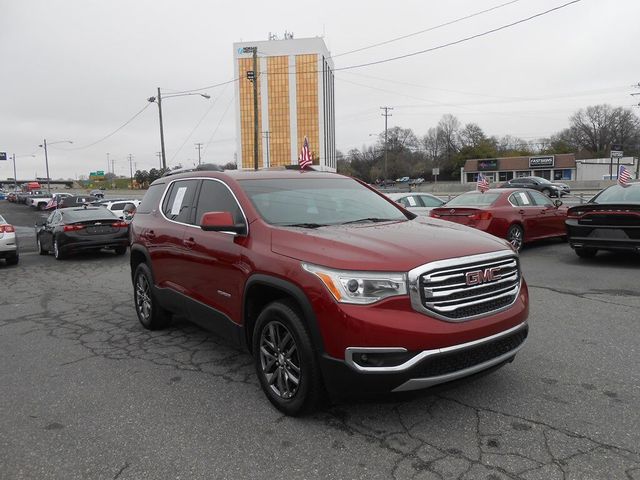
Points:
x=333 y=287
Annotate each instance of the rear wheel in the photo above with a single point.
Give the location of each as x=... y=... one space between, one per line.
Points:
x=13 y=260
x=56 y=250
x=583 y=252
x=285 y=362
x=515 y=236
x=120 y=250
x=151 y=315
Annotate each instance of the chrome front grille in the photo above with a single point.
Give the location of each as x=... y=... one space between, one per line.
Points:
x=463 y=288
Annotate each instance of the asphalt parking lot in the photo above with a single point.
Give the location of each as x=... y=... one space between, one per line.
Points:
x=87 y=393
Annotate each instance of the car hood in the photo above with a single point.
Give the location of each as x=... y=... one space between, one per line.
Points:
x=389 y=246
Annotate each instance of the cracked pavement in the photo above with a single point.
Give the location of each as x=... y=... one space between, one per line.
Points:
x=86 y=392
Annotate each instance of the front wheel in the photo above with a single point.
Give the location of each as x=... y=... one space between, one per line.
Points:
x=515 y=236
x=285 y=362
x=41 y=249
x=151 y=315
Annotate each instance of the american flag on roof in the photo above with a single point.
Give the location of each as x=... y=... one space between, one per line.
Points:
x=624 y=176
x=483 y=183
x=305 y=159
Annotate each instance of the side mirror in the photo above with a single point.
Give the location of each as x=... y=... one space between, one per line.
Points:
x=557 y=203
x=220 y=222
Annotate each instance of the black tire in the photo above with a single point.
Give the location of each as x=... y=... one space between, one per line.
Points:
x=547 y=192
x=583 y=252
x=56 y=250
x=282 y=349
x=150 y=314
x=13 y=260
x=41 y=250
x=120 y=250
x=515 y=236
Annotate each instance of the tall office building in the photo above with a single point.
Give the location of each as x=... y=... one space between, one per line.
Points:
x=295 y=99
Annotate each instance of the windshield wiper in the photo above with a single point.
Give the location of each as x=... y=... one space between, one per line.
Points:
x=371 y=219
x=304 y=225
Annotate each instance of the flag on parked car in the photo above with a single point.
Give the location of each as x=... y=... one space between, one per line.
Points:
x=51 y=204
x=624 y=176
x=483 y=183
x=304 y=159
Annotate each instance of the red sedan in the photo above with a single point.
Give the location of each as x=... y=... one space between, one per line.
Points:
x=516 y=214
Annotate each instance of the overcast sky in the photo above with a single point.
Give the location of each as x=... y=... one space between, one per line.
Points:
x=79 y=69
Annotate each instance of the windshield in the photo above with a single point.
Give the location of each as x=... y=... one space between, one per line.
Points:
x=618 y=194
x=473 y=199
x=314 y=202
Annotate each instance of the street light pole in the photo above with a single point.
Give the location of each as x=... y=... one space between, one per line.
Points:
x=15 y=178
x=158 y=100
x=46 y=159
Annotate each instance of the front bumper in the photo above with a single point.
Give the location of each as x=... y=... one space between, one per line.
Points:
x=423 y=369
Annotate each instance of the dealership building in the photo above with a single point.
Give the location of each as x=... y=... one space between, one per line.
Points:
x=560 y=167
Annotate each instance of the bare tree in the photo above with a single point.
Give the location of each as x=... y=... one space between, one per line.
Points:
x=448 y=130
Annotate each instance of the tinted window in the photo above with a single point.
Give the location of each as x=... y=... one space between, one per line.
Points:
x=151 y=198
x=408 y=201
x=322 y=201
x=117 y=206
x=84 y=214
x=539 y=199
x=473 y=199
x=429 y=201
x=216 y=197
x=179 y=200
x=618 y=194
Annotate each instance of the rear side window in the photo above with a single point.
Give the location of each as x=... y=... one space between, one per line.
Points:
x=179 y=200
x=117 y=206
x=540 y=199
x=216 y=197
x=151 y=198
x=428 y=201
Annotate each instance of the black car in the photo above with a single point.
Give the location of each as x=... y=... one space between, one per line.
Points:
x=72 y=230
x=609 y=221
x=550 y=189
x=77 y=201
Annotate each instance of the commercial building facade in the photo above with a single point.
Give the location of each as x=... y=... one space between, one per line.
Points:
x=552 y=167
x=295 y=99
x=559 y=167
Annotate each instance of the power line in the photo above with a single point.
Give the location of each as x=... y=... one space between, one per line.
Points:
x=114 y=132
x=446 y=24
x=462 y=40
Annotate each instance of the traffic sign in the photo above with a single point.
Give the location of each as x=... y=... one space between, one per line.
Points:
x=616 y=153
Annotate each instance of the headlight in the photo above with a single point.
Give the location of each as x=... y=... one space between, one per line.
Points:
x=359 y=287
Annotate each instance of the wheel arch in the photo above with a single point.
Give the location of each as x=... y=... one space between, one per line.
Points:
x=139 y=255
x=261 y=290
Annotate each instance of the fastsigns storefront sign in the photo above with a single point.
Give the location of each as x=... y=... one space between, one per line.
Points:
x=543 y=161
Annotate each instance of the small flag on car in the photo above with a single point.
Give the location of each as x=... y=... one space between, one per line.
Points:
x=624 y=176
x=483 y=183
x=304 y=159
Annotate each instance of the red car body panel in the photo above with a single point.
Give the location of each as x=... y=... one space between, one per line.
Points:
x=538 y=222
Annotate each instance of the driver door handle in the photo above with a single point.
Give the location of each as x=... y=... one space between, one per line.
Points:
x=521 y=212
x=189 y=242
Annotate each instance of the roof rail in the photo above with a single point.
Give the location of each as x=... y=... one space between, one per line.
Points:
x=206 y=167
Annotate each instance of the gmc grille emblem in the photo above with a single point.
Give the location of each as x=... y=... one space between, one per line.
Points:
x=478 y=277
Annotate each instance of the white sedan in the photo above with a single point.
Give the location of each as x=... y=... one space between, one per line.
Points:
x=8 y=242
x=418 y=203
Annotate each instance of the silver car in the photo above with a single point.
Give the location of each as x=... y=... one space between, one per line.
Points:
x=418 y=203
x=8 y=242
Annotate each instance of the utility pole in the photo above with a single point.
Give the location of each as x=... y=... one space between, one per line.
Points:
x=164 y=156
x=108 y=164
x=113 y=166
x=131 y=169
x=46 y=161
x=15 y=179
x=266 y=134
x=386 y=115
x=159 y=155
x=254 y=79
x=199 y=147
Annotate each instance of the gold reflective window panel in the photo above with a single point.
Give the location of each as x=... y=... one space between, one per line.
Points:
x=279 y=111
x=307 y=103
x=246 y=113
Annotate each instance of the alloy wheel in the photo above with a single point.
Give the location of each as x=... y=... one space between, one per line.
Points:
x=279 y=360
x=515 y=237
x=143 y=297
